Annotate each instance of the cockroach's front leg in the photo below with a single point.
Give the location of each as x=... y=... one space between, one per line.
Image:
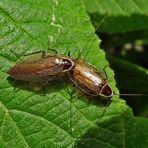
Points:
x=42 y=56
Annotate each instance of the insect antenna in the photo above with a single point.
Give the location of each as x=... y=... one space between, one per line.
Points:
x=92 y=34
x=132 y=94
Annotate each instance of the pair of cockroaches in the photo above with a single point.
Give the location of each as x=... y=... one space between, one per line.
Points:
x=47 y=68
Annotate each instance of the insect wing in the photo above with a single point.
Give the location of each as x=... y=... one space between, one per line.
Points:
x=36 y=70
x=86 y=78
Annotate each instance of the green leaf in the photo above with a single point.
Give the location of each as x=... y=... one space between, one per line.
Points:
x=136 y=133
x=61 y=118
x=123 y=15
x=137 y=74
x=136 y=85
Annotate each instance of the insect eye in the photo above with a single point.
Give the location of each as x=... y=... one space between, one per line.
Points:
x=106 y=91
x=66 y=64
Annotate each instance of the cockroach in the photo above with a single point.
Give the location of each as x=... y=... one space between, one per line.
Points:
x=89 y=80
x=44 y=69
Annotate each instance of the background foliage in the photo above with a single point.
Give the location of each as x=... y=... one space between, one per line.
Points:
x=63 y=118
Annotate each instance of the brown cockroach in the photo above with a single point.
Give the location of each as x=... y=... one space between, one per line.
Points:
x=44 y=69
x=89 y=80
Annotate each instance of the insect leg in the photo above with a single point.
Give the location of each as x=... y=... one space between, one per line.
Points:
x=43 y=53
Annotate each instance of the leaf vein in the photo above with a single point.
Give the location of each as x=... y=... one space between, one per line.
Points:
x=43 y=119
x=116 y=2
x=137 y=6
x=7 y=113
x=20 y=27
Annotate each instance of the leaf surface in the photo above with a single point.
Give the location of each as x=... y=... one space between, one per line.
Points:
x=137 y=84
x=122 y=16
x=61 y=118
x=136 y=129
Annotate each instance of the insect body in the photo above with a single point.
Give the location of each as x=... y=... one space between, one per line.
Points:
x=86 y=77
x=44 y=69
